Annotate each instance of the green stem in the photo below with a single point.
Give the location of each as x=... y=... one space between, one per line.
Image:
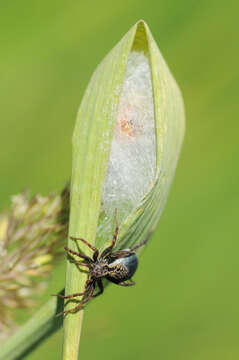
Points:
x=72 y=335
x=43 y=323
x=75 y=282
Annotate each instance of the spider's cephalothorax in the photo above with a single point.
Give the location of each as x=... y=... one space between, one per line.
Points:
x=117 y=267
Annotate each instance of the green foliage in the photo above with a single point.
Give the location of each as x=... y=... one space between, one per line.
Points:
x=185 y=304
x=91 y=151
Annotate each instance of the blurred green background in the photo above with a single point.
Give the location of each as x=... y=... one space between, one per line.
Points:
x=185 y=304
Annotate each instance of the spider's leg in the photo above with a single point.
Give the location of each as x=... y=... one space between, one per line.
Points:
x=139 y=245
x=123 y=253
x=96 y=251
x=120 y=254
x=101 y=288
x=89 y=283
x=82 y=264
x=108 y=250
x=87 y=258
x=70 y=296
x=72 y=310
x=123 y=283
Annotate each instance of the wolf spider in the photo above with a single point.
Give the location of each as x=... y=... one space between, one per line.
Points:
x=117 y=267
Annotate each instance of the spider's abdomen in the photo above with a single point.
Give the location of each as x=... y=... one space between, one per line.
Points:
x=122 y=269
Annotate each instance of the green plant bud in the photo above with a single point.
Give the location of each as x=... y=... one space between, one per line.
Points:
x=126 y=144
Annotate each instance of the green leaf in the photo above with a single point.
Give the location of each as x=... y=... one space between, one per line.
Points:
x=91 y=151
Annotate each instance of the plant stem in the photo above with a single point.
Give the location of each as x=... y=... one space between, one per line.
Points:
x=43 y=323
x=72 y=337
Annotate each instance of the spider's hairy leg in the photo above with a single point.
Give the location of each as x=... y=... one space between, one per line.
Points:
x=90 y=294
x=123 y=253
x=69 y=296
x=87 y=258
x=81 y=263
x=89 y=284
x=120 y=254
x=96 y=251
x=139 y=245
x=108 y=250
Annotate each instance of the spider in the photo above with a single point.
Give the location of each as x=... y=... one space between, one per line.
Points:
x=117 y=267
